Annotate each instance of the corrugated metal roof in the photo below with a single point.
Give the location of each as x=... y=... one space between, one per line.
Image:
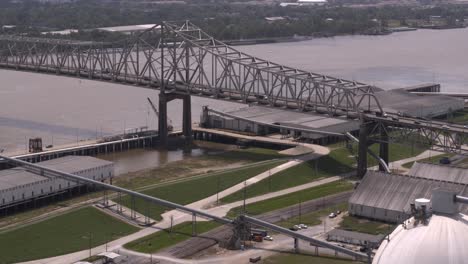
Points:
x=397 y=192
x=17 y=176
x=439 y=172
x=296 y=119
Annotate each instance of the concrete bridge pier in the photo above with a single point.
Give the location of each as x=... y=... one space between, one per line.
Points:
x=187 y=118
x=384 y=152
x=362 y=153
x=162 y=122
x=164 y=98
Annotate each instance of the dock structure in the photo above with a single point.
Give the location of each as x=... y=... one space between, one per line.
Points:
x=95 y=147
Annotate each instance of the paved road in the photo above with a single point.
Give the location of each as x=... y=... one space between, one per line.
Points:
x=265 y=249
x=196 y=244
x=398 y=165
x=177 y=216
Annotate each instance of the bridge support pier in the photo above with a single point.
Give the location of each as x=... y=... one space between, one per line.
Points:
x=164 y=98
x=162 y=122
x=362 y=153
x=187 y=119
x=384 y=152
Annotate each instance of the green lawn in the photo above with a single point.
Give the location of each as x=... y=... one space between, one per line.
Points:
x=213 y=160
x=397 y=152
x=62 y=234
x=312 y=218
x=164 y=238
x=291 y=258
x=292 y=198
x=337 y=162
x=363 y=225
x=433 y=159
x=186 y=192
x=459 y=117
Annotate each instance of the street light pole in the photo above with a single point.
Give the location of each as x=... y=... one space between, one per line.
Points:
x=151 y=253
x=245 y=194
x=89 y=240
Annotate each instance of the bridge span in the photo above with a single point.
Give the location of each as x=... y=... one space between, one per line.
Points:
x=181 y=60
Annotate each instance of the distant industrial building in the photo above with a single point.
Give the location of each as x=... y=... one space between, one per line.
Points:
x=387 y=197
x=18 y=186
x=304 y=3
x=262 y=120
x=127 y=29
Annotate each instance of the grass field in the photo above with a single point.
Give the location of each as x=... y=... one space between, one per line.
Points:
x=363 y=225
x=397 y=152
x=459 y=117
x=312 y=218
x=59 y=235
x=302 y=258
x=164 y=238
x=214 y=160
x=337 y=162
x=186 y=192
x=292 y=198
x=249 y=154
x=433 y=159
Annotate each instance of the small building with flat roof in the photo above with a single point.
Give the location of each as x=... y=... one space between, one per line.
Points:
x=355 y=238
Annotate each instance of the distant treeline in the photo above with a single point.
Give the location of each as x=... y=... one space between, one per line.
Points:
x=222 y=20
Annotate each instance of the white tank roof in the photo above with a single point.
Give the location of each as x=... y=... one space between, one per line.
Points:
x=443 y=240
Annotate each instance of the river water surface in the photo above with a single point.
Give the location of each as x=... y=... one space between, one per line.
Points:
x=66 y=110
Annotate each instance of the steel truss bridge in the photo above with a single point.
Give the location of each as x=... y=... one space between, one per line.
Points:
x=181 y=60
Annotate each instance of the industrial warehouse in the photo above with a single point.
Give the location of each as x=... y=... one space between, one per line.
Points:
x=388 y=197
x=18 y=186
x=262 y=120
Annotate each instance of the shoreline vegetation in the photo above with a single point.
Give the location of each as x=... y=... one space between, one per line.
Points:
x=236 y=24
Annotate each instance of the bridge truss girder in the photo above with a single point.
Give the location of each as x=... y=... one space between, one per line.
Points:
x=435 y=137
x=192 y=62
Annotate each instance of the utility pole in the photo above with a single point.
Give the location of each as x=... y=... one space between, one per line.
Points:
x=269 y=180
x=300 y=208
x=217 y=192
x=151 y=253
x=245 y=195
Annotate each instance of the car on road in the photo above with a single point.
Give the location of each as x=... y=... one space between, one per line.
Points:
x=303 y=226
x=255 y=259
x=338 y=212
x=298 y=227
x=332 y=215
x=268 y=238
x=294 y=228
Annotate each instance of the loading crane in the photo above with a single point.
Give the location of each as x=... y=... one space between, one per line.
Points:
x=170 y=127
